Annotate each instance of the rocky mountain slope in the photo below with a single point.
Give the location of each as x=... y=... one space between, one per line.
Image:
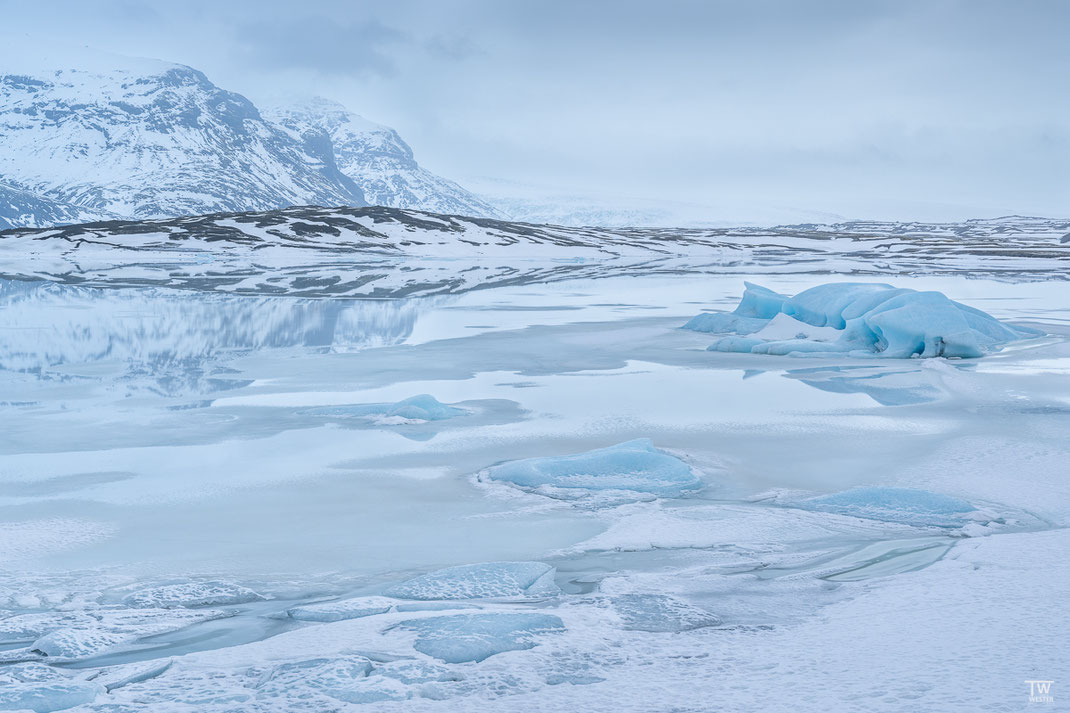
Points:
x=377 y=158
x=140 y=138
x=88 y=135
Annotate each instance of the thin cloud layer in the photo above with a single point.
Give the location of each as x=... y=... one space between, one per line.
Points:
x=905 y=109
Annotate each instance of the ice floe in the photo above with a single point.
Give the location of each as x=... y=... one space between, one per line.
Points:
x=342 y=609
x=192 y=594
x=343 y=678
x=460 y=638
x=660 y=613
x=70 y=636
x=486 y=580
x=417 y=409
x=635 y=467
x=857 y=318
x=40 y=688
x=907 y=506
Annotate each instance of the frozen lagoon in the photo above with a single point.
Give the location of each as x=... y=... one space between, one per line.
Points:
x=203 y=442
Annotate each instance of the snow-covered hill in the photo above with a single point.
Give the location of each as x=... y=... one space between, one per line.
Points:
x=20 y=208
x=377 y=158
x=380 y=252
x=141 y=138
x=89 y=136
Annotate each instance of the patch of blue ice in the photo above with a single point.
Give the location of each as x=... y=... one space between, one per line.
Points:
x=874 y=319
x=635 y=466
x=343 y=678
x=411 y=671
x=192 y=594
x=416 y=408
x=906 y=506
x=486 y=580
x=461 y=638
x=341 y=610
x=724 y=323
x=660 y=613
x=42 y=689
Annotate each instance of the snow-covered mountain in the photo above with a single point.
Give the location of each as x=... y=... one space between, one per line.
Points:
x=376 y=157
x=87 y=136
x=140 y=138
x=20 y=208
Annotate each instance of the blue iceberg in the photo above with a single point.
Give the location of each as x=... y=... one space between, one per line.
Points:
x=414 y=409
x=906 y=506
x=486 y=580
x=461 y=638
x=635 y=466
x=871 y=319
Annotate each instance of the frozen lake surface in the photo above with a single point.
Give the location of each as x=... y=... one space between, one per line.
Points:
x=224 y=502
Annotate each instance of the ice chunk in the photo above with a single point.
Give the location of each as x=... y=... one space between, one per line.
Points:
x=870 y=319
x=411 y=410
x=785 y=327
x=78 y=643
x=136 y=674
x=902 y=505
x=758 y=306
x=433 y=606
x=40 y=688
x=724 y=323
x=344 y=678
x=760 y=302
x=341 y=610
x=743 y=345
x=487 y=580
x=460 y=638
x=412 y=671
x=658 y=612
x=192 y=594
x=635 y=466
x=77 y=635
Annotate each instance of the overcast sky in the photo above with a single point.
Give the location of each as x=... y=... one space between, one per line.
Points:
x=929 y=109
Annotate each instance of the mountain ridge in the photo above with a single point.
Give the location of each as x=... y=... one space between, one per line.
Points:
x=131 y=138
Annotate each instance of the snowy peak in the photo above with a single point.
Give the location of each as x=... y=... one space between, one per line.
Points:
x=377 y=159
x=153 y=139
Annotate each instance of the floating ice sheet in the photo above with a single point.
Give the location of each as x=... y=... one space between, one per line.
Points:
x=460 y=638
x=487 y=580
x=192 y=594
x=634 y=466
x=416 y=409
x=340 y=610
x=901 y=505
x=660 y=613
x=869 y=318
x=40 y=688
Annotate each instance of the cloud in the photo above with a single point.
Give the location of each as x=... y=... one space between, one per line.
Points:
x=326 y=45
x=453 y=47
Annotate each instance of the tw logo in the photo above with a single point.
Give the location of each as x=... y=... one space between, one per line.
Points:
x=1040 y=691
